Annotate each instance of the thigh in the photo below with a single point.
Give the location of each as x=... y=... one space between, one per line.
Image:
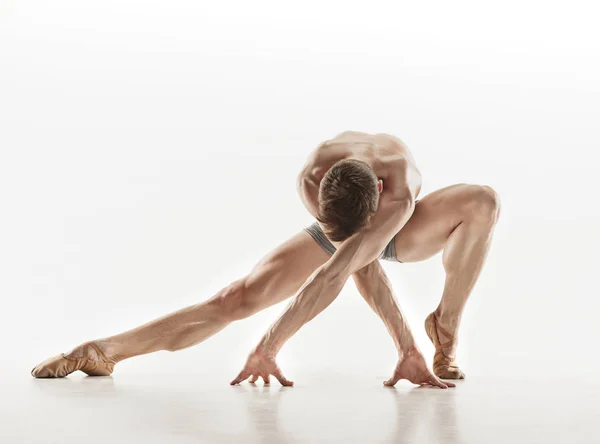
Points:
x=435 y=217
x=282 y=271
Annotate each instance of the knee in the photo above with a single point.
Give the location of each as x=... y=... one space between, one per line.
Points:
x=484 y=203
x=235 y=301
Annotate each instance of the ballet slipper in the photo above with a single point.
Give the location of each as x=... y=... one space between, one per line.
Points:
x=444 y=366
x=61 y=365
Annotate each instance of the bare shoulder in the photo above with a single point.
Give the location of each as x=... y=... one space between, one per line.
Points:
x=321 y=158
x=388 y=155
x=397 y=167
x=327 y=153
x=392 y=146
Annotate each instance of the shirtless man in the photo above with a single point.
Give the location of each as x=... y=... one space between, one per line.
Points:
x=363 y=190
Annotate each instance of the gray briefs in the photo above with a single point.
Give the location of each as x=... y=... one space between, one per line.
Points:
x=389 y=252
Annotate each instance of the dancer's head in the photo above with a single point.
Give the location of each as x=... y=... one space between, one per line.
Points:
x=348 y=197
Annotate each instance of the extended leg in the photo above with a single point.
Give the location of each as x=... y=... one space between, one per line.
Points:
x=276 y=277
x=460 y=220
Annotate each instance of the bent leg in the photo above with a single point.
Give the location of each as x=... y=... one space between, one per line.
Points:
x=276 y=277
x=460 y=221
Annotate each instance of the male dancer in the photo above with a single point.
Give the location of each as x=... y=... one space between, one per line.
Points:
x=362 y=189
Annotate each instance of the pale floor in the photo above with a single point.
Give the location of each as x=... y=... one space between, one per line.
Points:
x=127 y=408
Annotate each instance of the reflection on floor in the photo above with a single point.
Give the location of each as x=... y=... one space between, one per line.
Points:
x=192 y=409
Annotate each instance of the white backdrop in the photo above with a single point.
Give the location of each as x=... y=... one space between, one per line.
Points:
x=149 y=152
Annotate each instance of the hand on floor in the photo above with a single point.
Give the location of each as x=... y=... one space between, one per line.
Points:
x=258 y=364
x=413 y=368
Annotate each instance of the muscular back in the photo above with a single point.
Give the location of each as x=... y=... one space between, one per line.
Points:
x=387 y=155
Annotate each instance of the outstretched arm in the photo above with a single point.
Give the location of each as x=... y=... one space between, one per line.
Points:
x=375 y=287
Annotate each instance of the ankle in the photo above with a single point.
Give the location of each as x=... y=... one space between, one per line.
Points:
x=111 y=349
x=447 y=320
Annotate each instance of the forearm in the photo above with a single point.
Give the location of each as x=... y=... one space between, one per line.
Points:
x=364 y=247
x=375 y=287
x=317 y=293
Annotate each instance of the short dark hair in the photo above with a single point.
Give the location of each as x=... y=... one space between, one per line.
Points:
x=348 y=197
